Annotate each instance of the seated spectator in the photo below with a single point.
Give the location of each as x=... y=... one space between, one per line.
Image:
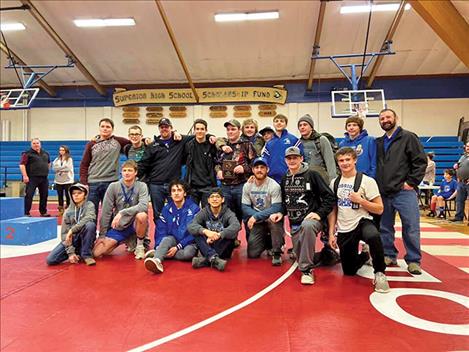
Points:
x=125 y=204
x=172 y=239
x=215 y=229
x=447 y=191
x=78 y=230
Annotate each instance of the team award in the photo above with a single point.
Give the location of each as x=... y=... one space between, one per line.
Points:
x=228 y=167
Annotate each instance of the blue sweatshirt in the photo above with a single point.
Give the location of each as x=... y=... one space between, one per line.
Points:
x=365 y=146
x=174 y=222
x=274 y=152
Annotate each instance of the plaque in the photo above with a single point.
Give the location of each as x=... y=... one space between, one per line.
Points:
x=228 y=167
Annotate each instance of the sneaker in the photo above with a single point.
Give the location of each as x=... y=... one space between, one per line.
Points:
x=153 y=265
x=150 y=253
x=276 y=260
x=390 y=261
x=89 y=261
x=414 y=269
x=307 y=277
x=441 y=216
x=218 y=263
x=200 y=262
x=381 y=283
x=455 y=220
x=431 y=214
x=139 y=252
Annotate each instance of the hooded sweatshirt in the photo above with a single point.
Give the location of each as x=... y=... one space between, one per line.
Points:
x=306 y=192
x=225 y=223
x=365 y=146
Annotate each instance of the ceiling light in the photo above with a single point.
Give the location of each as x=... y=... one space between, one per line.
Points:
x=246 y=16
x=374 y=8
x=108 y=22
x=15 y=26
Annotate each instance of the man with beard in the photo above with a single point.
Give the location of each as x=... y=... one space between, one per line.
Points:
x=401 y=164
x=262 y=207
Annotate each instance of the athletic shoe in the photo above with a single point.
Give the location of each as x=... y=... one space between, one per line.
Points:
x=200 y=262
x=390 y=261
x=139 y=252
x=154 y=265
x=150 y=254
x=276 y=260
x=218 y=263
x=307 y=277
x=431 y=214
x=414 y=268
x=381 y=283
x=441 y=216
x=89 y=261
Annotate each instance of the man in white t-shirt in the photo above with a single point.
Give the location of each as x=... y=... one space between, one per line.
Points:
x=354 y=221
x=262 y=209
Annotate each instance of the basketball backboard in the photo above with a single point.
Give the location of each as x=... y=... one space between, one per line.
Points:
x=357 y=102
x=17 y=98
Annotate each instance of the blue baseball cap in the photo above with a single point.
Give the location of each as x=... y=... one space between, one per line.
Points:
x=260 y=160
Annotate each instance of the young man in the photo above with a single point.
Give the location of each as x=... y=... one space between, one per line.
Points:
x=267 y=133
x=401 y=164
x=317 y=149
x=100 y=163
x=136 y=148
x=125 y=205
x=201 y=157
x=307 y=200
x=262 y=201
x=78 y=230
x=274 y=150
x=365 y=146
x=34 y=167
x=354 y=221
x=249 y=130
x=215 y=229
x=172 y=240
x=234 y=166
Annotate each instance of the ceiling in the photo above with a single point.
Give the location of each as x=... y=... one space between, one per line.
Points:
x=218 y=52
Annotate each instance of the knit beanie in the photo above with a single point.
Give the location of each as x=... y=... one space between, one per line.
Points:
x=308 y=119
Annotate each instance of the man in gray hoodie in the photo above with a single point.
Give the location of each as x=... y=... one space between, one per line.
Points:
x=125 y=205
x=78 y=230
x=215 y=229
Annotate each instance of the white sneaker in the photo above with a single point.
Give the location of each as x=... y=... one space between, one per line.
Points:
x=154 y=265
x=139 y=252
x=381 y=283
x=150 y=253
x=307 y=278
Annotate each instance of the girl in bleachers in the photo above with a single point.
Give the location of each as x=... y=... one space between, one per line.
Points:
x=64 y=176
x=447 y=191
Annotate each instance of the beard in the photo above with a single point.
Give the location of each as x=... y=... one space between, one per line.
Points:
x=260 y=176
x=388 y=126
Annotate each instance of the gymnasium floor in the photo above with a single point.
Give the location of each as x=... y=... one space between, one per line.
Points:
x=118 y=306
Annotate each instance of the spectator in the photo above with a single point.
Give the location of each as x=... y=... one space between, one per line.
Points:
x=64 y=176
x=447 y=191
x=34 y=167
x=430 y=171
x=462 y=170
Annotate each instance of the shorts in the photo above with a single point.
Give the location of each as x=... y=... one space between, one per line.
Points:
x=120 y=235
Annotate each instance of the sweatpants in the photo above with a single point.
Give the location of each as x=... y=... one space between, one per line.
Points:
x=186 y=253
x=304 y=241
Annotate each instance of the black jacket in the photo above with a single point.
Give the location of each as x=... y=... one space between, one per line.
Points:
x=404 y=161
x=209 y=152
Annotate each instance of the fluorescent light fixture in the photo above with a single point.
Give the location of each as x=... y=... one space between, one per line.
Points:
x=14 y=26
x=374 y=8
x=108 y=22
x=246 y=16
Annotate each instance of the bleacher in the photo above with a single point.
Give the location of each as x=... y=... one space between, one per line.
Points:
x=447 y=151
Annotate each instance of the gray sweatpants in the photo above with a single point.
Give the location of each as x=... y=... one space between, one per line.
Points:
x=257 y=238
x=186 y=253
x=304 y=240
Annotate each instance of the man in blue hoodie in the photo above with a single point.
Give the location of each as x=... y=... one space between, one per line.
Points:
x=274 y=150
x=365 y=146
x=172 y=239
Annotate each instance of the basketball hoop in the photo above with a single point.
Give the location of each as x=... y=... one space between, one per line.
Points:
x=4 y=102
x=17 y=98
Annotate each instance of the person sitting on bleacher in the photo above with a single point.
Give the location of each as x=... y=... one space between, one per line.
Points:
x=78 y=230
x=447 y=191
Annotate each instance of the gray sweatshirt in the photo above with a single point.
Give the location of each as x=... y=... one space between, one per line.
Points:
x=225 y=223
x=75 y=218
x=115 y=202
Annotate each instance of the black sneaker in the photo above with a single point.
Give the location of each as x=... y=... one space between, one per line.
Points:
x=200 y=262
x=277 y=260
x=218 y=263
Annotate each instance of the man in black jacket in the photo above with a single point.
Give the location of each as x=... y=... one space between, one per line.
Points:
x=400 y=168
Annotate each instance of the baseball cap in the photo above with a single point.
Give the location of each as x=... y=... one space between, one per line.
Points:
x=266 y=129
x=79 y=187
x=164 y=121
x=259 y=160
x=292 y=151
x=232 y=122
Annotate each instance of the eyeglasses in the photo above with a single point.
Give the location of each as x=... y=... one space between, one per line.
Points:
x=134 y=134
x=215 y=196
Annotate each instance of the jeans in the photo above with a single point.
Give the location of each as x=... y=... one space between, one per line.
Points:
x=461 y=196
x=159 y=194
x=259 y=238
x=185 y=254
x=348 y=244
x=406 y=203
x=233 y=196
x=200 y=195
x=43 y=185
x=222 y=247
x=61 y=190
x=96 y=194
x=83 y=242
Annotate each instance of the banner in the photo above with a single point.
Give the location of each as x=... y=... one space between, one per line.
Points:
x=206 y=95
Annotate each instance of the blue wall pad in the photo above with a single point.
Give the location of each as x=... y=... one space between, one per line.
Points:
x=11 y=207
x=25 y=231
